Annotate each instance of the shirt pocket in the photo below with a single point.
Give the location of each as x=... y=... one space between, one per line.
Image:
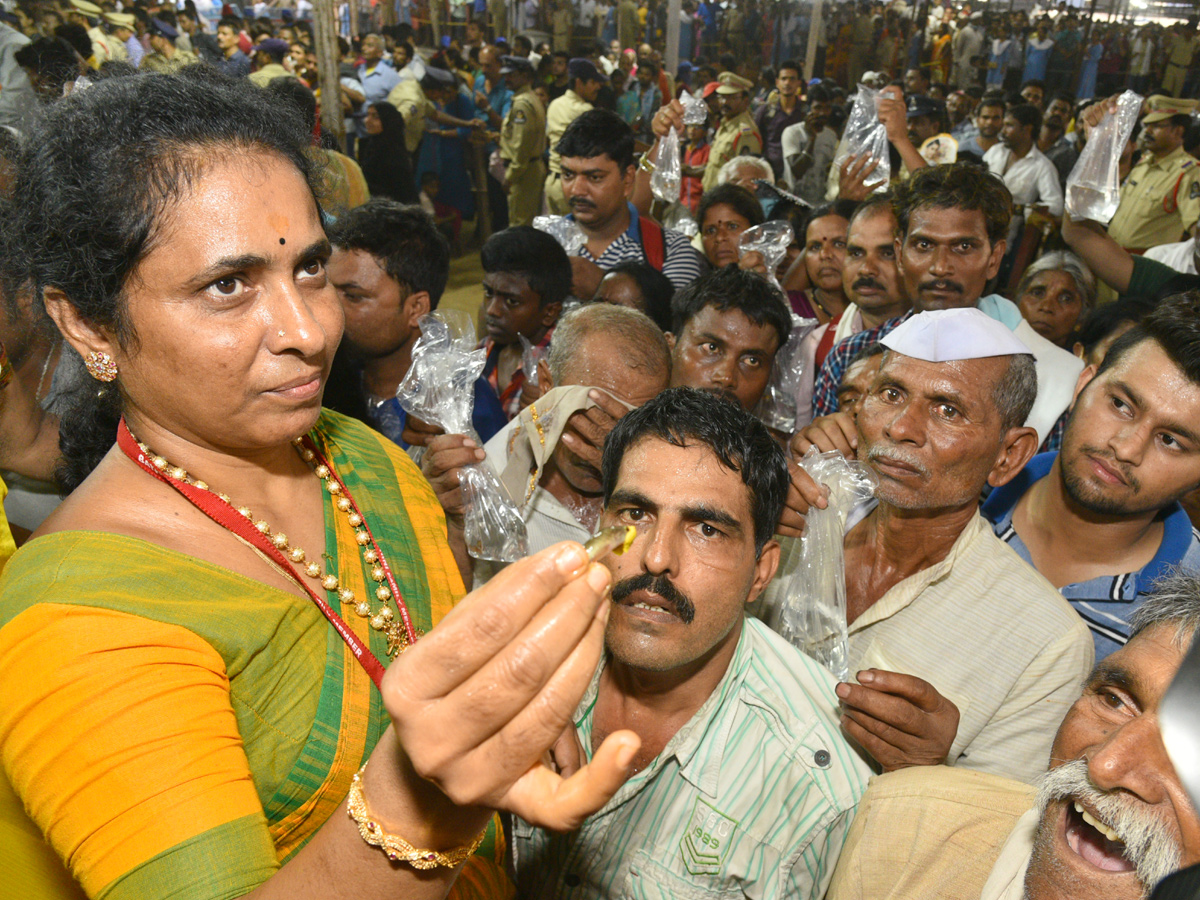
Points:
x=651 y=880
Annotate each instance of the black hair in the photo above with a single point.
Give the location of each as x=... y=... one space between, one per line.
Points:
x=384 y=158
x=655 y=287
x=744 y=203
x=138 y=143
x=649 y=65
x=598 y=132
x=562 y=54
x=1175 y=325
x=955 y=186
x=733 y=288
x=818 y=93
x=114 y=68
x=403 y=238
x=77 y=37
x=790 y=64
x=1034 y=82
x=296 y=92
x=230 y=22
x=520 y=40
x=535 y=256
x=843 y=208
x=687 y=417
x=728 y=62
x=1104 y=319
x=1029 y=115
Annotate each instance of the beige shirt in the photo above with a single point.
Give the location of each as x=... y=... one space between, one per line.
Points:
x=991 y=634
x=931 y=832
x=562 y=112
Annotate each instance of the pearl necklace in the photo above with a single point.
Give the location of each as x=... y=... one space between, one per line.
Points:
x=382 y=619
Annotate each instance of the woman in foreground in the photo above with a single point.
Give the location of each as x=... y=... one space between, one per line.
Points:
x=189 y=721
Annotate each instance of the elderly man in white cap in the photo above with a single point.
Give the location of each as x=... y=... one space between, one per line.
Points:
x=959 y=651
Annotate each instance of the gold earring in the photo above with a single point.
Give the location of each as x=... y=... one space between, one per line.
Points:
x=101 y=366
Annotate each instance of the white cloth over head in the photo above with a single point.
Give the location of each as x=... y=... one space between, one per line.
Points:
x=942 y=335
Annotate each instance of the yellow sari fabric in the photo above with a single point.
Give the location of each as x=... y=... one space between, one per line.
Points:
x=182 y=730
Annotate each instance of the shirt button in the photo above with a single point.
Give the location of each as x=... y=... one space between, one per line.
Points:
x=572 y=880
x=821 y=758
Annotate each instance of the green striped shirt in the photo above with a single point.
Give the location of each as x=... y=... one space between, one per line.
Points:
x=752 y=797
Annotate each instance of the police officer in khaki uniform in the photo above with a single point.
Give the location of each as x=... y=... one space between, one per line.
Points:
x=738 y=135
x=523 y=143
x=104 y=46
x=165 y=56
x=585 y=80
x=412 y=98
x=1161 y=197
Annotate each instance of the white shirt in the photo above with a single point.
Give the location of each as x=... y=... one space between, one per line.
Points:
x=1033 y=180
x=1181 y=256
x=794 y=141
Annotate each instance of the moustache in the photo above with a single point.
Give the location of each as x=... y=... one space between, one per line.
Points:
x=942 y=285
x=1149 y=843
x=1110 y=461
x=867 y=283
x=581 y=204
x=660 y=586
x=891 y=454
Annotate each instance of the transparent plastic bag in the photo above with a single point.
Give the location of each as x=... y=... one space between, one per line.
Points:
x=771 y=239
x=440 y=389
x=667 y=176
x=864 y=133
x=1094 y=185
x=679 y=218
x=566 y=231
x=695 y=110
x=812 y=615
x=777 y=408
x=530 y=357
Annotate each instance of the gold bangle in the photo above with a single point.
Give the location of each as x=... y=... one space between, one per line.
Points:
x=395 y=847
x=645 y=164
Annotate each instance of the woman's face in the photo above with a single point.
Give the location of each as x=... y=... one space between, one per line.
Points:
x=720 y=231
x=1052 y=305
x=371 y=121
x=236 y=324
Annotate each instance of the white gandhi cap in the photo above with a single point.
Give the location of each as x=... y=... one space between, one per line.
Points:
x=942 y=335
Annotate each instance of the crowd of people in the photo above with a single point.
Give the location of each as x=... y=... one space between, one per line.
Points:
x=256 y=642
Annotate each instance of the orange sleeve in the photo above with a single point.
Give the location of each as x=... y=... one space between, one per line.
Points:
x=118 y=735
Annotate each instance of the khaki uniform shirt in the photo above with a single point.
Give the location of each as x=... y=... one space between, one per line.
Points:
x=269 y=73
x=408 y=97
x=523 y=134
x=105 y=47
x=736 y=137
x=1159 y=201
x=562 y=112
x=156 y=62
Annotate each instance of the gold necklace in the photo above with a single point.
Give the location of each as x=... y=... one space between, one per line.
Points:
x=382 y=619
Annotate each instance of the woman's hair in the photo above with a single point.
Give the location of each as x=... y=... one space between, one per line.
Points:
x=96 y=177
x=1063 y=261
x=744 y=203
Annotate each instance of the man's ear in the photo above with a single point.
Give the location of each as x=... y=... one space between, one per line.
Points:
x=997 y=256
x=415 y=305
x=544 y=379
x=764 y=569
x=1018 y=447
x=627 y=179
x=81 y=334
x=1088 y=373
x=670 y=336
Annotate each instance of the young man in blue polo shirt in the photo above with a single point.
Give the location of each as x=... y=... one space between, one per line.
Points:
x=1101 y=519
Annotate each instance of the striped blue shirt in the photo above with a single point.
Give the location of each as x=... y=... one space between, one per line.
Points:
x=1106 y=602
x=752 y=797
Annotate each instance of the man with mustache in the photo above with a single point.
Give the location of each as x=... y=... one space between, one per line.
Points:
x=952 y=226
x=959 y=652
x=726 y=327
x=1101 y=519
x=871 y=283
x=742 y=784
x=1109 y=820
x=597 y=165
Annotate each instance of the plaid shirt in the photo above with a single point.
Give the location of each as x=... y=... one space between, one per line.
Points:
x=829 y=379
